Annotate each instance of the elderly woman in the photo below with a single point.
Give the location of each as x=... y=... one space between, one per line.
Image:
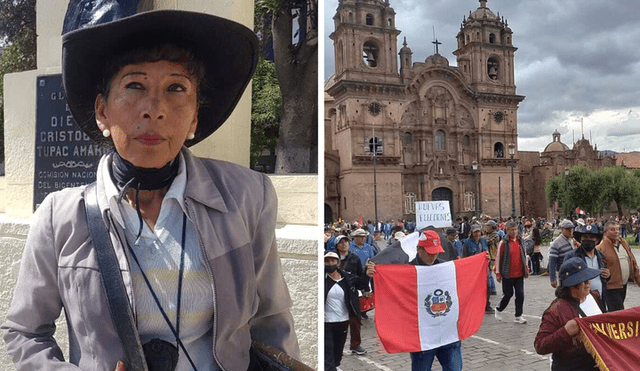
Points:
x=194 y=238
x=559 y=327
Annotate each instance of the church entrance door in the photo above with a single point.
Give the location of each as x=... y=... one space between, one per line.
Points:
x=442 y=194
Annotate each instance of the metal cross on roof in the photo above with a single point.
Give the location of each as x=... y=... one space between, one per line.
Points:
x=436 y=44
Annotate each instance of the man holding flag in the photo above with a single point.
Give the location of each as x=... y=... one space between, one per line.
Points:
x=427 y=309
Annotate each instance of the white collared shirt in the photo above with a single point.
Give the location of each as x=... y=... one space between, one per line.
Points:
x=159 y=252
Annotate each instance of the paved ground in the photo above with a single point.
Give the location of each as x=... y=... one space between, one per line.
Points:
x=496 y=346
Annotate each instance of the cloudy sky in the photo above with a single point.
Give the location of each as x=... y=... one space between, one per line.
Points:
x=577 y=60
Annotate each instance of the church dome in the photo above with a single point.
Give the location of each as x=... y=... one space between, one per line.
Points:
x=483 y=12
x=329 y=82
x=556 y=145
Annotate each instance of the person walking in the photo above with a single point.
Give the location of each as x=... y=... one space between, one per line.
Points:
x=536 y=256
x=588 y=237
x=350 y=263
x=449 y=355
x=559 y=248
x=621 y=263
x=511 y=270
x=558 y=328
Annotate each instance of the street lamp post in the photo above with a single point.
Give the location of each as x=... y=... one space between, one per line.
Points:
x=499 y=199
x=474 y=166
x=512 y=152
x=566 y=175
x=374 y=158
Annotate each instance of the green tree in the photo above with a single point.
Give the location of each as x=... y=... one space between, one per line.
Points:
x=554 y=189
x=620 y=186
x=266 y=105
x=18 y=41
x=581 y=191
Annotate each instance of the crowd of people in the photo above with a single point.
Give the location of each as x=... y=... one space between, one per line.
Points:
x=589 y=261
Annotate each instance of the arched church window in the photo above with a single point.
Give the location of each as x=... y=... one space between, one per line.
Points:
x=493 y=68
x=370 y=53
x=350 y=16
x=492 y=38
x=498 y=150
x=389 y=22
x=441 y=140
x=466 y=141
x=467 y=36
x=369 y=19
x=408 y=138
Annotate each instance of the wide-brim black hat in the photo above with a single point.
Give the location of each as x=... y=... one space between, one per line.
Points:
x=587 y=229
x=228 y=50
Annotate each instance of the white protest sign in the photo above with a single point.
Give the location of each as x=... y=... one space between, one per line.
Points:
x=435 y=213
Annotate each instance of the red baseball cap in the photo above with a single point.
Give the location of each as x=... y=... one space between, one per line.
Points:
x=430 y=241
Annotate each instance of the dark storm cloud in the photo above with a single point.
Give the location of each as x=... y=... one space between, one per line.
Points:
x=575 y=58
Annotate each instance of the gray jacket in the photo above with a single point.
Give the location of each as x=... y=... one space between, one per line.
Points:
x=234 y=211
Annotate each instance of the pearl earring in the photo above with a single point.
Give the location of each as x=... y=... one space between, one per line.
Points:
x=191 y=136
x=106 y=133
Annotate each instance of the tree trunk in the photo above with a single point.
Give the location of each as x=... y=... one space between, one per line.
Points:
x=619 y=208
x=297 y=148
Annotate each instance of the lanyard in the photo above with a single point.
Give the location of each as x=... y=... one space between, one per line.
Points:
x=176 y=330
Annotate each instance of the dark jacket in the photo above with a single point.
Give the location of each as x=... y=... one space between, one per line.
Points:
x=351 y=264
x=580 y=253
x=350 y=285
x=553 y=338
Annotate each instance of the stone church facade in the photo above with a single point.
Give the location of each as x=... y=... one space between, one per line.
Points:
x=427 y=122
x=536 y=168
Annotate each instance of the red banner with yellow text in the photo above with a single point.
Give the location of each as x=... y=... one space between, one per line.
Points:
x=613 y=339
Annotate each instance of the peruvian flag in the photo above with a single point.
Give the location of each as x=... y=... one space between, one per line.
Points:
x=421 y=307
x=579 y=211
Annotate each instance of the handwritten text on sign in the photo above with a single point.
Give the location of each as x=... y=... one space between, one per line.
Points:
x=435 y=213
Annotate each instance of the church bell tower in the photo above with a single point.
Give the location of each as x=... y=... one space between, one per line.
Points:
x=365 y=41
x=485 y=51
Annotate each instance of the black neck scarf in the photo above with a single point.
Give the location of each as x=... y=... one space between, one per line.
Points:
x=126 y=175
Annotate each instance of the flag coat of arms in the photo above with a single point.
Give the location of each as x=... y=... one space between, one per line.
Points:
x=424 y=307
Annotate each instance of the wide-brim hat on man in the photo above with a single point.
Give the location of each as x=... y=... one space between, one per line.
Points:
x=359 y=233
x=587 y=229
x=430 y=241
x=228 y=50
x=575 y=270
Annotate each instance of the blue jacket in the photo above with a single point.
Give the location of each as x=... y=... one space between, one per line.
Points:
x=365 y=252
x=470 y=247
